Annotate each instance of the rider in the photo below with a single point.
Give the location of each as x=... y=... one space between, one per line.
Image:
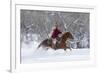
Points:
x=55 y=33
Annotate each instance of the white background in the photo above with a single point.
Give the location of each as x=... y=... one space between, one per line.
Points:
x=5 y=36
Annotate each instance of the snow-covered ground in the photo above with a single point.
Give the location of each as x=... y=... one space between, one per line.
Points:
x=29 y=54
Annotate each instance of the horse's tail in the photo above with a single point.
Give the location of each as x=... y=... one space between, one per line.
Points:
x=39 y=45
x=42 y=43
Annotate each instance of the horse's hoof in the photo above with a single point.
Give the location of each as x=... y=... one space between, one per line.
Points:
x=70 y=49
x=64 y=49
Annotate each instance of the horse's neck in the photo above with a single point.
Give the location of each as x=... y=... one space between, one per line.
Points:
x=63 y=39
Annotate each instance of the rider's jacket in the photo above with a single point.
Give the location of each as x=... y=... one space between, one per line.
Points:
x=55 y=33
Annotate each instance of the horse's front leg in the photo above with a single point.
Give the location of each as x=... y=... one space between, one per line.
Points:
x=70 y=49
x=67 y=48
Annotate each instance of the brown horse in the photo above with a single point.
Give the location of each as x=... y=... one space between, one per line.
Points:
x=61 y=42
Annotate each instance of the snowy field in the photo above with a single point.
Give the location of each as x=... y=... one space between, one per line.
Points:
x=29 y=54
x=36 y=26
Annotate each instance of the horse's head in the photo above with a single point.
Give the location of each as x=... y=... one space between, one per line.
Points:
x=67 y=35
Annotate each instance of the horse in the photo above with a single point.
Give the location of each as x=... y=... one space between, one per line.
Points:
x=60 y=44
